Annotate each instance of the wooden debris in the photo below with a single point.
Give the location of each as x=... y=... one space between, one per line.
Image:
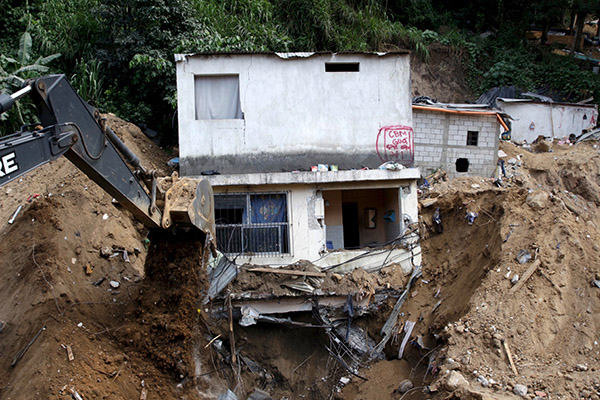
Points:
x=526 y=276
x=144 y=394
x=509 y=355
x=212 y=340
x=288 y=272
x=231 y=337
x=69 y=352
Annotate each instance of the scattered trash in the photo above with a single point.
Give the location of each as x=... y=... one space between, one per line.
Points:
x=408 y=328
x=471 y=217
x=595 y=283
x=80 y=325
x=75 y=395
x=14 y=216
x=105 y=217
x=99 y=281
x=501 y=154
x=523 y=256
x=344 y=380
x=173 y=162
x=89 y=269
x=106 y=252
x=581 y=367
x=437 y=221
x=475 y=186
x=514 y=279
x=249 y=316
x=32 y=197
x=2 y=325
x=114 y=284
x=391 y=166
x=125 y=256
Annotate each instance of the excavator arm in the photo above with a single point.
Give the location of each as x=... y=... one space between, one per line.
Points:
x=69 y=126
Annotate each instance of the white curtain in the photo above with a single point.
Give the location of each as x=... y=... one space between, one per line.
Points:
x=217 y=97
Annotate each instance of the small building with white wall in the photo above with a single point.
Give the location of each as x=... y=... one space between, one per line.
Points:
x=533 y=118
x=263 y=120
x=458 y=138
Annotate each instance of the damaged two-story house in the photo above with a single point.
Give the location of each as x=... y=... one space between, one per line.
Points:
x=297 y=140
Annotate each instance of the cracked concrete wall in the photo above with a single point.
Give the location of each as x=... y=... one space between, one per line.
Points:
x=295 y=113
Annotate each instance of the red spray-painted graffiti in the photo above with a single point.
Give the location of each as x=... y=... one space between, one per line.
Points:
x=396 y=143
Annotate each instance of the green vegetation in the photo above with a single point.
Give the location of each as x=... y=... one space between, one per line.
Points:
x=119 y=54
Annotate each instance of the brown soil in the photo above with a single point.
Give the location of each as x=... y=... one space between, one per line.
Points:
x=154 y=333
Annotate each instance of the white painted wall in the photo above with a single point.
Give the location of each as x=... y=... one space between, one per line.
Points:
x=552 y=120
x=295 y=114
x=306 y=212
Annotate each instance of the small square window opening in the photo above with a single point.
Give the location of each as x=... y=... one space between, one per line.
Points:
x=472 y=138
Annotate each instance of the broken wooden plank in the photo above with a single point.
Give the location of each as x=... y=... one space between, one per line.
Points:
x=510 y=359
x=144 y=394
x=69 y=353
x=526 y=276
x=288 y=272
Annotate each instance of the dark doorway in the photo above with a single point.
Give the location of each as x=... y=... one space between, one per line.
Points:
x=350 y=222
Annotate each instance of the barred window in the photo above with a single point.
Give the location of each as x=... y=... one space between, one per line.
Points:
x=252 y=223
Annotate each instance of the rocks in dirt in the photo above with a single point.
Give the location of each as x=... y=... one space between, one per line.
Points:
x=483 y=381
x=114 y=284
x=405 y=386
x=520 y=390
x=581 y=367
x=455 y=380
x=106 y=252
x=514 y=279
x=538 y=200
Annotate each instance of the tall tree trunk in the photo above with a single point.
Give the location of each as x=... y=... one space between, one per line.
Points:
x=579 y=30
x=545 y=29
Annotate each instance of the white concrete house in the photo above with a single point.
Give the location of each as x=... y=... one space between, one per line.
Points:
x=461 y=139
x=263 y=120
x=532 y=118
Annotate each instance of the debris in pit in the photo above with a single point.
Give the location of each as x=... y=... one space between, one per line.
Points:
x=471 y=217
x=437 y=221
x=408 y=328
x=523 y=256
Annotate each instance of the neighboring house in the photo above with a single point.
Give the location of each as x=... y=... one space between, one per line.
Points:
x=462 y=139
x=532 y=118
x=262 y=120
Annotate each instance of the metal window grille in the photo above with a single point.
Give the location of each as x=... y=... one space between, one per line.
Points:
x=252 y=224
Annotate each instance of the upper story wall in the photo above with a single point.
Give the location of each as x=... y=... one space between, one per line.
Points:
x=292 y=112
x=531 y=119
x=442 y=139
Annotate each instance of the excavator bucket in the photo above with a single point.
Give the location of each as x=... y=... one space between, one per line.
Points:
x=189 y=202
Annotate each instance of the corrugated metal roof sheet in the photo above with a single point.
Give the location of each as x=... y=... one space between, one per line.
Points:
x=288 y=55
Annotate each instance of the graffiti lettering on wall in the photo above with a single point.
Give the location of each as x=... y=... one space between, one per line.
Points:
x=396 y=143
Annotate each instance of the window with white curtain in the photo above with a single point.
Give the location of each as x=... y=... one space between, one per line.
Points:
x=217 y=97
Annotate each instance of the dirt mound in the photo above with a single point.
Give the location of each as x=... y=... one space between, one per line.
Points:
x=543 y=312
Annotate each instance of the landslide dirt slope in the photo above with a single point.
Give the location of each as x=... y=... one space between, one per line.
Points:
x=551 y=324
x=49 y=259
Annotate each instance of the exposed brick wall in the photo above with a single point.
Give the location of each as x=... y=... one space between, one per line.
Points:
x=441 y=139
